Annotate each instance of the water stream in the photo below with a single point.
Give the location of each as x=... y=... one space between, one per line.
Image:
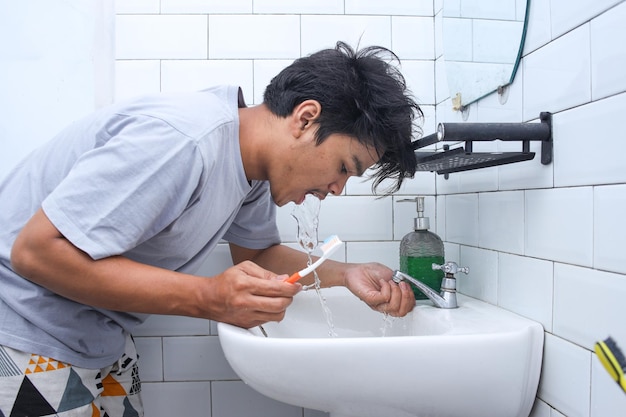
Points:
x=307 y=217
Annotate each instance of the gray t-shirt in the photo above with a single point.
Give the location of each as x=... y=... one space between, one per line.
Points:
x=159 y=180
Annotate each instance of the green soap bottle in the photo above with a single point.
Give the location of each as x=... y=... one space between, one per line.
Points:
x=419 y=250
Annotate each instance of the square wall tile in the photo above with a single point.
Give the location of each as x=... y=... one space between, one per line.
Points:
x=491 y=9
x=413 y=37
x=565 y=377
x=354 y=30
x=349 y=217
x=527 y=174
x=217 y=262
x=150 y=360
x=501 y=221
x=482 y=280
x=386 y=253
x=588 y=305
x=440 y=209
x=420 y=79
x=136 y=77
x=158 y=325
x=607 y=398
x=205 y=6
x=421 y=184
x=505 y=107
x=137 y=6
x=538 y=32
x=490 y=48
x=566 y=15
x=525 y=286
x=587 y=148
x=264 y=71
x=462 y=219
x=195 y=75
x=273 y=36
x=563 y=68
x=392 y=7
x=559 y=225
x=607 y=31
x=442 y=90
x=167 y=399
x=457 y=38
x=609 y=227
x=236 y=399
x=299 y=7
x=161 y=37
x=196 y=358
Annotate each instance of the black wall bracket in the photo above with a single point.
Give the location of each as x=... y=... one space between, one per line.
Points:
x=463 y=158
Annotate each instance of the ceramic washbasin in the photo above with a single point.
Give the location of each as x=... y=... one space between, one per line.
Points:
x=477 y=360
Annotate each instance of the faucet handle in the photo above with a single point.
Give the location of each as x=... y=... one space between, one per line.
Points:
x=451 y=268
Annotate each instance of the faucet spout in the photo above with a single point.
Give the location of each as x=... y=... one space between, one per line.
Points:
x=447 y=297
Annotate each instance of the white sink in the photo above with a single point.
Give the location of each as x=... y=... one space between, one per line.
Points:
x=474 y=361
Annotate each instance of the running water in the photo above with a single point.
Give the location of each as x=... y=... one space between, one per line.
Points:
x=387 y=324
x=307 y=217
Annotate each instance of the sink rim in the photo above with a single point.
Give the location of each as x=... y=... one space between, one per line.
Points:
x=458 y=322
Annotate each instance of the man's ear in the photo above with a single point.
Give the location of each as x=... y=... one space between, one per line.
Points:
x=303 y=116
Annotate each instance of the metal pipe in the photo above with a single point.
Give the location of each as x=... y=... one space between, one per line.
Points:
x=451 y=132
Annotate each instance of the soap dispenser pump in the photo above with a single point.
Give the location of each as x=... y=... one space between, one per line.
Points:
x=420 y=249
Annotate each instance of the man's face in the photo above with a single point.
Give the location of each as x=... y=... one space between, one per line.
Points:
x=319 y=170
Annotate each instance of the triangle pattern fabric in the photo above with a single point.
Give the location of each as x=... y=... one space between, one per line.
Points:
x=7 y=366
x=40 y=363
x=112 y=387
x=136 y=384
x=129 y=410
x=30 y=402
x=76 y=393
x=50 y=384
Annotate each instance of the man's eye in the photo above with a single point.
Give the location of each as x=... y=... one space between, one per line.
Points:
x=343 y=169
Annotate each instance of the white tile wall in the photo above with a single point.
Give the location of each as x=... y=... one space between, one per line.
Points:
x=543 y=241
x=496 y=231
x=569 y=273
x=607 y=30
x=565 y=377
x=561 y=67
x=525 y=286
x=599 y=292
x=55 y=67
x=581 y=164
x=608 y=216
x=559 y=224
x=161 y=36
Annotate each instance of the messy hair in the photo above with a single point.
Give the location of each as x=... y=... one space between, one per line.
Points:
x=362 y=95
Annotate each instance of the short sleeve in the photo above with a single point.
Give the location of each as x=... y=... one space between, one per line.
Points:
x=138 y=179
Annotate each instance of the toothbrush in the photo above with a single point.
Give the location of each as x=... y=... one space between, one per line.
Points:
x=329 y=246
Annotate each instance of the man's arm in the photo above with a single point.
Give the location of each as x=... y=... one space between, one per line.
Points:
x=245 y=295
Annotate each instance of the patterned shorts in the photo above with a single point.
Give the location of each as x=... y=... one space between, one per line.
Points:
x=32 y=385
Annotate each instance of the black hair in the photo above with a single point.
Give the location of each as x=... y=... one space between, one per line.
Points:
x=362 y=96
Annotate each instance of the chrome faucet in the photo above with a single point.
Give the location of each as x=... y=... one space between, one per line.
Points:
x=447 y=297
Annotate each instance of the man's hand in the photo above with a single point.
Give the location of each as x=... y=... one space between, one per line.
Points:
x=372 y=283
x=247 y=295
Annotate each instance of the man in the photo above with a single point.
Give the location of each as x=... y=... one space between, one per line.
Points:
x=108 y=222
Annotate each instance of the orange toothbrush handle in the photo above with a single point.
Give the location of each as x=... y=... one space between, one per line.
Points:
x=294 y=278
